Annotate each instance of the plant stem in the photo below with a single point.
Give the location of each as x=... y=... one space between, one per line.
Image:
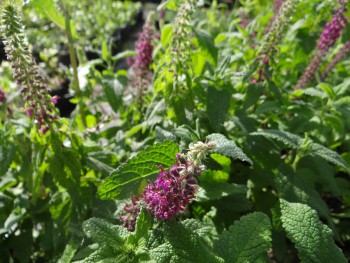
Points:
x=296 y=161
x=74 y=65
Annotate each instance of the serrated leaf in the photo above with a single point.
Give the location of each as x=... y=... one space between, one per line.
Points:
x=248 y=240
x=328 y=155
x=163 y=135
x=182 y=242
x=286 y=138
x=312 y=239
x=218 y=104
x=297 y=188
x=128 y=178
x=311 y=148
x=104 y=233
x=106 y=254
x=227 y=147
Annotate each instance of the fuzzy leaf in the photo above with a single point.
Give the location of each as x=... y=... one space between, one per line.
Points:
x=328 y=155
x=218 y=104
x=105 y=233
x=183 y=242
x=286 y=138
x=227 y=147
x=105 y=254
x=312 y=239
x=309 y=147
x=297 y=188
x=130 y=178
x=248 y=240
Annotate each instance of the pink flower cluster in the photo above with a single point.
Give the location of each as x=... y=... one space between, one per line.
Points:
x=166 y=196
x=2 y=96
x=331 y=32
x=173 y=189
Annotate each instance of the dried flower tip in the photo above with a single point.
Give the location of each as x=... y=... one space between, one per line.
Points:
x=197 y=152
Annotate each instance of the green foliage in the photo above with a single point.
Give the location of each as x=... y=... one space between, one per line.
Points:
x=268 y=164
x=227 y=147
x=312 y=239
x=306 y=145
x=131 y=177
x=248 y=240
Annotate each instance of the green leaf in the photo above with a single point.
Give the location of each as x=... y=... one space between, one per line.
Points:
x=69 y=251
x=131 y=177
x=106 y=55
x=143 y=225
x=123 y=54
x=106 y=254
x=163 y=135
x=227 y=147
x=47 y=8
x=104 y=233
x=212 y=191
x=6 y=156
x=328 y=155
x=206 y=43
x=286 y=138
x=101 y=161
x=297 y=188
x=168 y=4
x=248 y=240
x=312 y=239
x=166 y=35
x=306 y=145
x=183 y=242
x=113 y=90
x=218 y=104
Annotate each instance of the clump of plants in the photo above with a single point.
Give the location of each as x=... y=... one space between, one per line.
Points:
x=224 y=138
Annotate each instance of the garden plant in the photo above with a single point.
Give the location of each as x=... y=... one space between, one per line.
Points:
x=221 y=134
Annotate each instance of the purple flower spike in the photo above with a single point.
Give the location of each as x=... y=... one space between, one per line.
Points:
x=331 y=32
x=329 y=36
x=144 y=53
x=173 y=189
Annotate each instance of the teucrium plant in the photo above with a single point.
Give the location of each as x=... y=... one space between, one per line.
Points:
x=38 y=103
